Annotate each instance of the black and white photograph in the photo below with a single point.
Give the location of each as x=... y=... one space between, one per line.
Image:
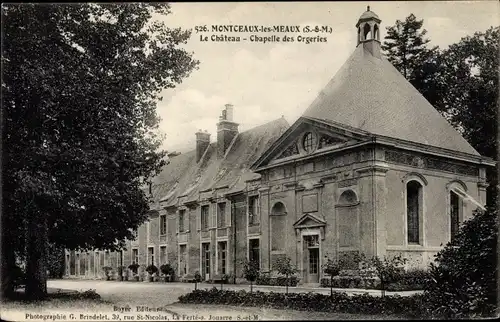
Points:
x=244 y=161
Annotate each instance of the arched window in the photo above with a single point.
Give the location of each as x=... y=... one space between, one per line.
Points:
x=376 y=33
x=367 y=32
x=413 y=211
x=278 y=227
x=348 y=222
x=455 y=207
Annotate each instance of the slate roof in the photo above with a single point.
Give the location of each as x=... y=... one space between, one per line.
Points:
x=183 y=176
x=369 y=94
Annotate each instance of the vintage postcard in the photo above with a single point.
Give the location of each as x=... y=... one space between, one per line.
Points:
x=249 y=161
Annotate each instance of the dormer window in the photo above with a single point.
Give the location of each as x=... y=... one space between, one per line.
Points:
x=309 y=142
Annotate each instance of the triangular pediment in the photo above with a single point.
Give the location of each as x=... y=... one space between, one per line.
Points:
x=306 y=137
x=309 y=220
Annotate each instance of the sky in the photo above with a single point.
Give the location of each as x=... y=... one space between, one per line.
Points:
x=267 y=81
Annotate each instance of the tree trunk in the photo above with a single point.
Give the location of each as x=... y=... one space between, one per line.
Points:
x=331 y=285
x=8 y=262
x=286 y=284
x=36 y=256
x=251 y=287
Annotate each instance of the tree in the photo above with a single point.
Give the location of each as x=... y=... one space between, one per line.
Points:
x=470 y=70
x=406 y=47
x=251 y=272
x=79 y=91
x=284 y=266
x=331 y=268
x=464 y=281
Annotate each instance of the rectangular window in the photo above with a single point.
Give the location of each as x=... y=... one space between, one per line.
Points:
x=135 y=256
x=163 y=255
x=151 y=255
x=413 y=211
x=182 y=214
x=222 y=254
x=205 y=260
x=183 y=259
x=253 y=210
x=204 y=217
x=221 y=215
x=454 y=214
x=163 y=224
x=254 y=251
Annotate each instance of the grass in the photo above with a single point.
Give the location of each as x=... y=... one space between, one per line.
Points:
x=58 y=299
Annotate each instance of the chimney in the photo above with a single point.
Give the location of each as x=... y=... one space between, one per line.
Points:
x=226 y=130
x=202 y=142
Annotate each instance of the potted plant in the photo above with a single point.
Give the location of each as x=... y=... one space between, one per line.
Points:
x=134 y=267
x=152 y=271
x=331 y=268
x=251 y=272
x=107 y=272
x=197 y=279
x=168 y=272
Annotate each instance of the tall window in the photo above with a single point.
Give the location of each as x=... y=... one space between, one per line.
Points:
x=163 y=225
x=182 y=259
x=222 y=257
x=454 y=213
x=413 y=209
x=135 y=255
x=221 y=215
x=254 y=251
x=253 y=210
x=182 y=214
x=163 y=255
x=204 y=217
x=205 y=259
x=278 y=227
x=151 y=255
x=309 y=142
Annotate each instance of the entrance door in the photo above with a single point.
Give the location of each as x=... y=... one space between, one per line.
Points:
x=312 y=254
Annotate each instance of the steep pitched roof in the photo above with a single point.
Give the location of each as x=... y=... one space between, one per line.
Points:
x=368 y=93
x=183 y=176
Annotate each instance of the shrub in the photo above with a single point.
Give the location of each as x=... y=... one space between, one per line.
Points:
x=388 y=270
x=463 y=280
x=409 y=306
x=107 y=272
x=89 y=294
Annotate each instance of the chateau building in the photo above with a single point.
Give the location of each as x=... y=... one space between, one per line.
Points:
x=370 y=167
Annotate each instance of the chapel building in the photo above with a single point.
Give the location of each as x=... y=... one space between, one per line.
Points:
x=369 y=168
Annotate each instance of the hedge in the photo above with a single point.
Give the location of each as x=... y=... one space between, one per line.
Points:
x=408 y=306
x=411 y=280
x=264 y=279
